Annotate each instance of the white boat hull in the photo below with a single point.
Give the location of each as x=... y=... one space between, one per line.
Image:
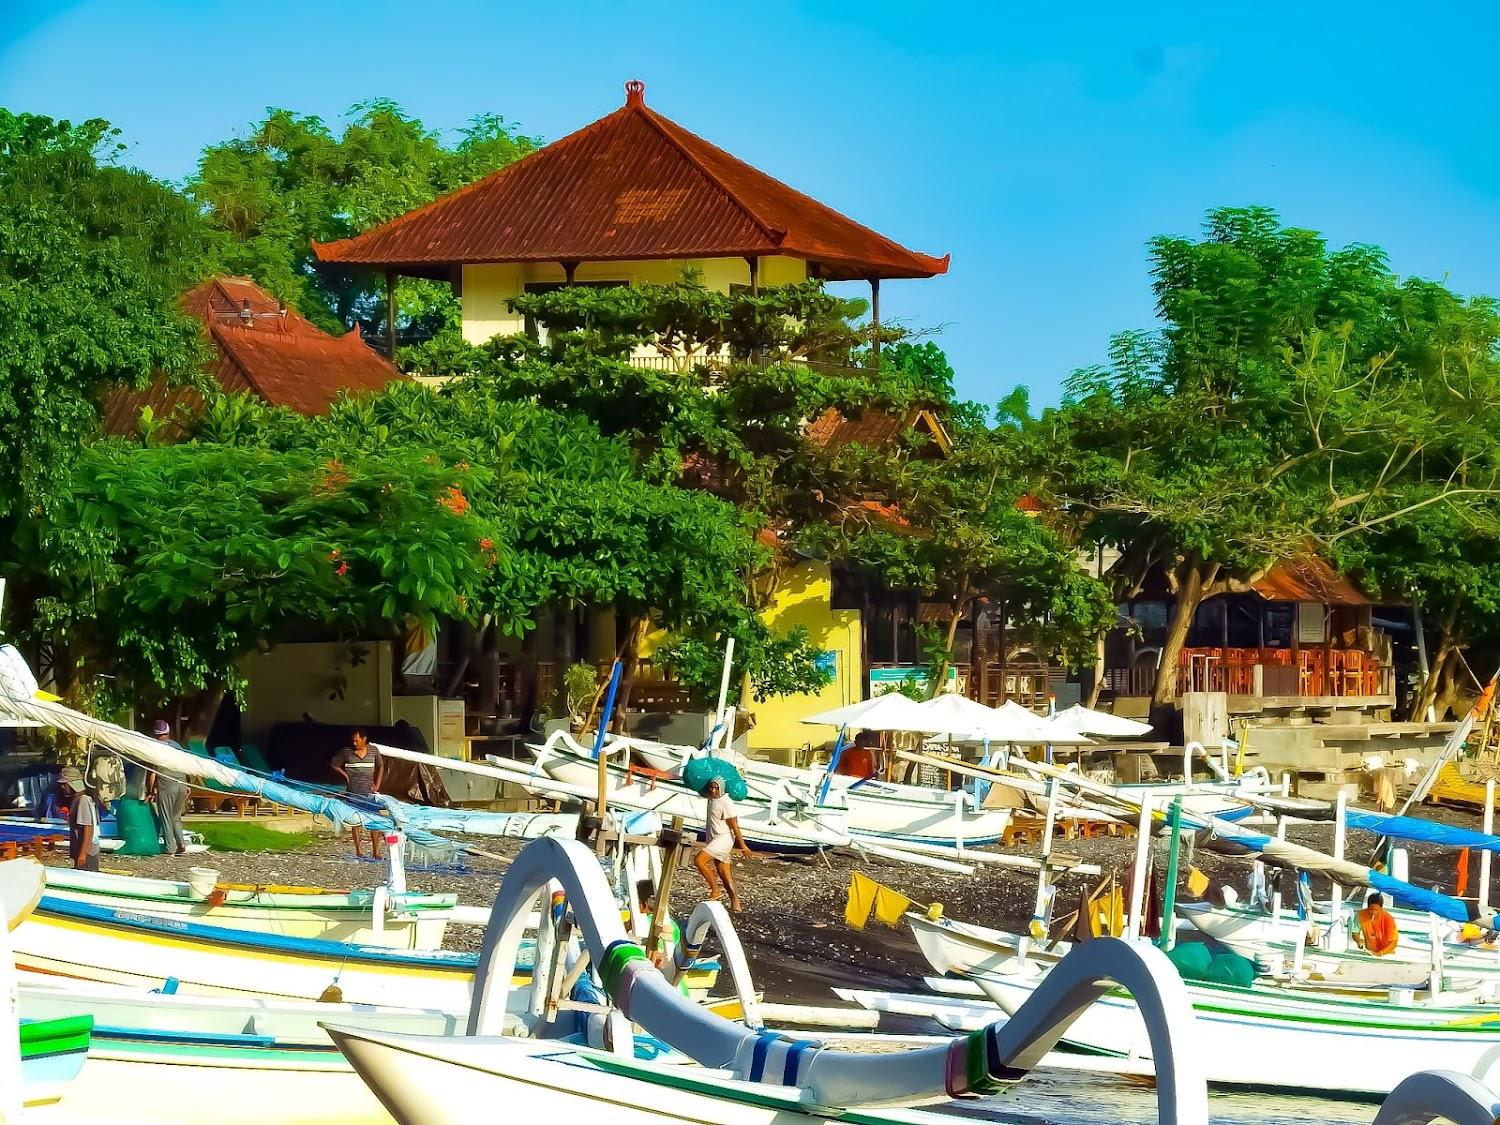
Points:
x=64 y=947
x=437 y=1082
x=331 y=916
x=786 y=827
x=898 y=812
x=1326 y=1050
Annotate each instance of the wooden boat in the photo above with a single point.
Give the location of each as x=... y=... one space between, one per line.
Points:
x=86 y=942
x=433 y=1082
x=411 y=921
x=1451 y=787
x=784 y=820
x=910 y=813
x=52 y=1053
x=1299 y=1041
x=1254 y=934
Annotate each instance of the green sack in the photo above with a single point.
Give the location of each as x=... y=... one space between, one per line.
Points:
x=700 y=771
x=1192 y=959
x=137 y=827
x=1231 y=968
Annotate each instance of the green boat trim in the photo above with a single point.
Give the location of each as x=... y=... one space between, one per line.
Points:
x=45 y=1038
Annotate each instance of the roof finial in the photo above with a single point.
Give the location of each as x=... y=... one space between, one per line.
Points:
x=635 y=92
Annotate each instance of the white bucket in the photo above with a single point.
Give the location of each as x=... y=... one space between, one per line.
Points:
x=202 y=881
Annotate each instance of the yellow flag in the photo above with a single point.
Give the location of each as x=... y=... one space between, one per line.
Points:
x=1197 y=882
x=890 y=905
x=861 y=900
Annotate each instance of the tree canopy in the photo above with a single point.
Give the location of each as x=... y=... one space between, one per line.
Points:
x=293 y=179
x=1296 y=397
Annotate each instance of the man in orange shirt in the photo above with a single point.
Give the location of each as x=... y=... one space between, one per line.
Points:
x=1377 y=928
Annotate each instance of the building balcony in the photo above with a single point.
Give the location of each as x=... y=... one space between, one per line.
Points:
x=1277 y=677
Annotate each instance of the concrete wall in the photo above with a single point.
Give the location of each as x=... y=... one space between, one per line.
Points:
x=296 y=679
x=803 y=599
x=487 y=288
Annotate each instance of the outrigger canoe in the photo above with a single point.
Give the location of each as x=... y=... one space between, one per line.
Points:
x=410 y=921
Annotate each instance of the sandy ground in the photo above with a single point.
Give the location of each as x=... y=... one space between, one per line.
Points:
x=792 y=926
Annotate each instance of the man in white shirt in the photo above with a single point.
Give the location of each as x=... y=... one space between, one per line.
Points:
x=721 y=836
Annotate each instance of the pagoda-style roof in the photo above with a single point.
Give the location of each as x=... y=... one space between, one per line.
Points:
x=875 y=428
x=1308 y=579
x=633 y=185
x=260 y=347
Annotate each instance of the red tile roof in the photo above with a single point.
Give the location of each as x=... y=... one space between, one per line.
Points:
x=873 y=428
x=633 y=185
x=1308 y=579
x=261 y=348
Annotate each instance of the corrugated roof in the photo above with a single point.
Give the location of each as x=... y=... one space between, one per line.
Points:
x=1308 y=579
x=633 y=185
x=261 y=348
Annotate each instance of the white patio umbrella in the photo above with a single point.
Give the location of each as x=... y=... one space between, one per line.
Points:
x=954 y=714
x=1085 y=720
x=891 y=711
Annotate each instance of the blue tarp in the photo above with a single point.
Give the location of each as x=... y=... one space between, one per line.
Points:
x=1414 y=828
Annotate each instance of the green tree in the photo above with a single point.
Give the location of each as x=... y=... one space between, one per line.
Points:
x=949 y=527
x=171 y=562
x=93 y=257
x=1297 y=396
x=293 y=180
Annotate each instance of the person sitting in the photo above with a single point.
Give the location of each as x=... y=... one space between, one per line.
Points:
x=1377 y=927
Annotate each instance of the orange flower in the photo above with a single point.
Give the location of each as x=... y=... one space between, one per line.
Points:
x=486 y=544
x=454 y=500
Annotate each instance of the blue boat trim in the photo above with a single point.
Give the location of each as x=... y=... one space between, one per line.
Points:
x=248 y=939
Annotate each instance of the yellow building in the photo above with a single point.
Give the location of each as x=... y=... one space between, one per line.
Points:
x=635 y=198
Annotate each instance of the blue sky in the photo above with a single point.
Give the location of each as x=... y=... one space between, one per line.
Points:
x=1041 y=146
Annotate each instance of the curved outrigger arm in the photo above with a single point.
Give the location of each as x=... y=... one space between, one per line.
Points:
x=977 y=1063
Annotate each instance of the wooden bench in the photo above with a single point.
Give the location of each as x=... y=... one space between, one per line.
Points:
x=15 y=849
x=217 y=800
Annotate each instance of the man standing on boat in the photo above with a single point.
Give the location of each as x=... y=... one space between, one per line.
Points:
x=83 y=821
x=167 y=793
x=721 y=836
x=1377 y=928
x=362 y=768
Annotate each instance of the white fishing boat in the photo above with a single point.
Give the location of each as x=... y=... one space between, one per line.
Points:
x=782 y=817
x=912 y=813
x=755 y=1075
x=370 y=917
x=1304 y=1043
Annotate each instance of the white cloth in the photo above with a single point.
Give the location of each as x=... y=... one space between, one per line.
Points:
x=718 y=840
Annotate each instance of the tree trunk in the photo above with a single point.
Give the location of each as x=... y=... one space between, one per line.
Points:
x=1098 y=672
x=1447 y=651
x=1193 y=579
x=640 y=625
x=938 y=677
x=203 y=710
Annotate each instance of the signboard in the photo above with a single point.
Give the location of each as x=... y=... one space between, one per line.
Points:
x=883 y=680
x=450 y=729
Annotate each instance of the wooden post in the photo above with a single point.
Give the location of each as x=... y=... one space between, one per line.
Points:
x=1134 y=928
x=1484 y=856
x=390 y=314
x=672 y=847
x=1169 y=904
x=754 y=262
x=569 y=269
x=875 y=317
